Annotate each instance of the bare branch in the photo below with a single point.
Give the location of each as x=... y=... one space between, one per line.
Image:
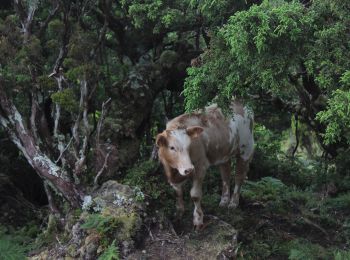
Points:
x=101 y=38
x=100 y=121
x=102 y=169
x=65 y=149
x=34 y=110
x=59 y=78
x=52 y=13
x=296 y=134
x=83 y=115
x=26 y=17
x=64 y=46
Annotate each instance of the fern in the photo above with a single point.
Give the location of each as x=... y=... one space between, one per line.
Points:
x=102 y=224
x=342 y=255
x=111 y=253
x=10 y=250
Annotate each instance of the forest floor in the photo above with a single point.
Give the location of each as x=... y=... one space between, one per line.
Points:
x=256 y=230
x=273 y=221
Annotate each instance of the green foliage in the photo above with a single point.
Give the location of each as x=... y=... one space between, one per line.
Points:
x=66 y=99
x=266 y=49
x=141 y=176
x=337 y=117
x=341 y=255
x=55 y=28
x=266 y=189
x=258 y=58
x=102 y=224
x=10 y=250
x=111 y=253
x=340 y=203
x=14 y=244
x=301 y=250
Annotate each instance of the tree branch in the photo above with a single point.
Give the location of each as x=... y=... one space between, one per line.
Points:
x=296 y=134
x=83 y=115
x=102 y=169
x=26 y=17
x=52 y=13
x=101 y=119
x=64 y=46
x=12 y=122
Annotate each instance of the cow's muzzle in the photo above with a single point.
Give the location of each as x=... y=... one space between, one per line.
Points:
x=188 y=171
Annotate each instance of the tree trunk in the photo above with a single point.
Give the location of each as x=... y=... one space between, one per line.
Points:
x=13 y=124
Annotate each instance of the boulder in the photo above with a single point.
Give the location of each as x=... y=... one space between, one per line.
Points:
x=114 y=212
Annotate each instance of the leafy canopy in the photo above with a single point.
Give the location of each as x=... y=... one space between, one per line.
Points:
x=284 y=50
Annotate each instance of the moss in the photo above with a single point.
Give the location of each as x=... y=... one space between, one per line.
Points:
x=72 y=250
x=129 y=224
x=142 y=176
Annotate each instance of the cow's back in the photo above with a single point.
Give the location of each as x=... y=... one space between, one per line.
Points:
x=222 y=136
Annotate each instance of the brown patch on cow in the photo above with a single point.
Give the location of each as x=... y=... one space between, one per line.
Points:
x=238 y=107
x=194 y=131
x=161 y=140
x=197 y=118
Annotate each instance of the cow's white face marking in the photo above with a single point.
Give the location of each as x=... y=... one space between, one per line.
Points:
x=178 y=148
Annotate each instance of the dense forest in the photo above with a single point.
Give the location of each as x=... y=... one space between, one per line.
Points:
x=86 y=86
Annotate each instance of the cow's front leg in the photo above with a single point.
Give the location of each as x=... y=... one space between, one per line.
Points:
x=196 y=196
x=242 y=168
x=225 y=170
x=180 y=206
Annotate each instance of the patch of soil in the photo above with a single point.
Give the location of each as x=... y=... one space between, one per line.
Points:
x=217 y=240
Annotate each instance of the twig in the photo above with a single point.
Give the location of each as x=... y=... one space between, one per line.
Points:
x=165 y=240
x=65 y=149
x=102 y=169
x=308 y=221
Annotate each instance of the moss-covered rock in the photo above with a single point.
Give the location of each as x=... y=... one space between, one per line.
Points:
x=111 y=213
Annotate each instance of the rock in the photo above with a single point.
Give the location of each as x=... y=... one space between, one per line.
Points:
x=114 y=212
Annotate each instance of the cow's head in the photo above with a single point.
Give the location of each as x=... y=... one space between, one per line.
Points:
x=174 y=148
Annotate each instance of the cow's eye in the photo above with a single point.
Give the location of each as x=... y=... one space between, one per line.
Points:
x=172 y=148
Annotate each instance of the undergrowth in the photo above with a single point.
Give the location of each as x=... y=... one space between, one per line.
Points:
x=15 y=243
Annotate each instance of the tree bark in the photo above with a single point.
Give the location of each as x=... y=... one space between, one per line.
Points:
x=12 y=122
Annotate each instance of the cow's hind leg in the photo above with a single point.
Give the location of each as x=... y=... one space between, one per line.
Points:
x=225 y=170
x=196 y=196
x=242 y=168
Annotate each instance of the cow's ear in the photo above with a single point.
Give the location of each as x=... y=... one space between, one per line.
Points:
x=194 y=131
x=161 y=140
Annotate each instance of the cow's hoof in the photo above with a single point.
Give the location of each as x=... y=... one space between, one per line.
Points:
x=224 y=203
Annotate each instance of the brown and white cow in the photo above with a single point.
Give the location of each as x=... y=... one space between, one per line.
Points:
x=193 y=142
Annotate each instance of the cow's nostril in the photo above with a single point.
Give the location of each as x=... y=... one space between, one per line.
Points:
x=188 y=171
